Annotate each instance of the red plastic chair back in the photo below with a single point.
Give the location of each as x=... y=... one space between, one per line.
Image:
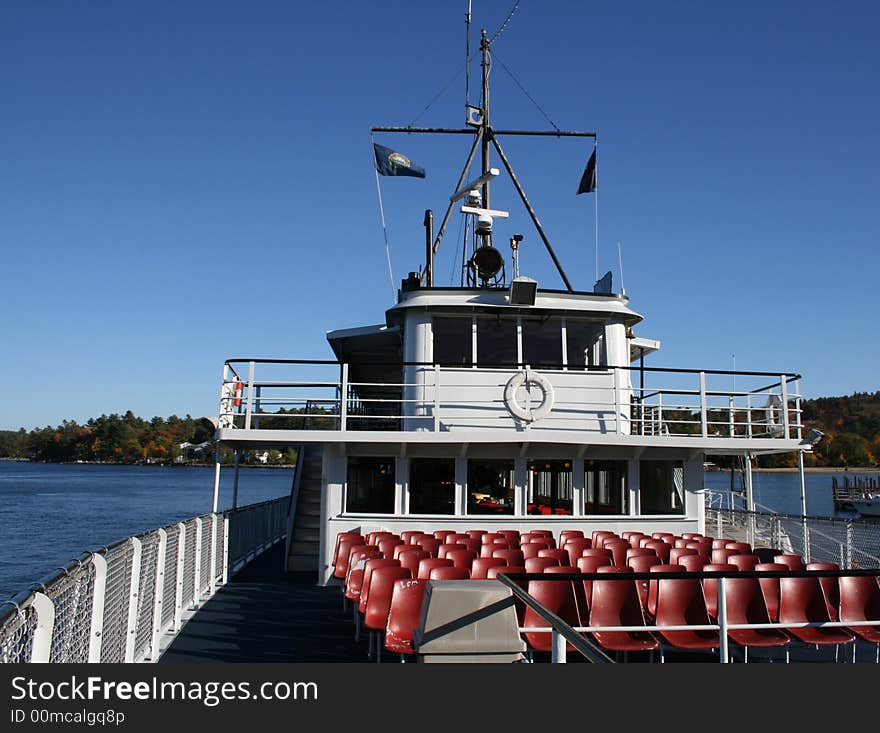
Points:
x=489 y=548
x=452 y=573
x=661 y=549
x=349 y=537
x=680 y=542
x=720 y=555
x=446 y=548
x=744 y=562
x=429 y=544
x=662 y=535
x=745 y=605
x=792 y=562
x=721 y=543
x=462 y=558
x=492 y=572
x=801 y=600
x=455 y=538
x=369 y=568
x=681 y=602
x=770 y=587
x=616 y=603
x=492 y=537
x=374 y=537
x=635 y=539
x=692 y=563
x=537 y=564
x=574 y=547
x=597 y=552
x=343 y=551
x=410 y=535
x=570 y=534
x=710 y=586
x=379 y=596
x=860 y=601
x=411 y=558
x=830 y=588
x=556 y=554
x=481 y=566
x=741 y=548
x=427 y=564
x=598 y=534
x=557 y=596
x=531 y=549
x=643 y=564
x=476 y=534
x=678 y=552
x=618 y=548
x=513 y=557
x=387 y=545
x=442 y=534
x=591 y=564
x=404 y=615
x=511 y=535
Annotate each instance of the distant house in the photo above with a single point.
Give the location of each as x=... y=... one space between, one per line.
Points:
x=190 y=451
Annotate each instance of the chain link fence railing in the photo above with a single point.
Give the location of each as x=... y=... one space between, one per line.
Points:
x=851 y=543
x=118 y=604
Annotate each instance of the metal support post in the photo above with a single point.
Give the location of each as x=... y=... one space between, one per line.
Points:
x=197 y=579
x=41 y=646
x=722 y=621
x=159 y=594
x=216 y=497
x=803 y=483
x=234 y=481
x=704 y=426
x=178 y=593
x=133 y=599
x=343 y=398
x=98 y=594
x=558 y=649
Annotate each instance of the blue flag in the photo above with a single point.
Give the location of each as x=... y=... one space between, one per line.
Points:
x=391 y=163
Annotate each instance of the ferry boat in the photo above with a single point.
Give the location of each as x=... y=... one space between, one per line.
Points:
x=500 y=408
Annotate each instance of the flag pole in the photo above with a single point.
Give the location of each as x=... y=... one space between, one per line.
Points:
x=382 y=215
x=596 y=201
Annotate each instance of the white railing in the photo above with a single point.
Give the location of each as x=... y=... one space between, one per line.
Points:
x=123 y=603
x=321 y=395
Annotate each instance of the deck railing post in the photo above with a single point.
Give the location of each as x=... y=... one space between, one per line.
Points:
x=785 y=419
x=225 y=549
x=749 y=415
x=41 y=646
x=249 y=408
x=197 y=579
x=849 y=544
x=133 y=597
x=722 y=621
x=436 y=398
x=343 y=397
x=618 y=406
x=704 y=427
x=212 y=576
x=731 y=411
x=558 y=649
x=181 y=564
x=98 y=594
x=159 y=593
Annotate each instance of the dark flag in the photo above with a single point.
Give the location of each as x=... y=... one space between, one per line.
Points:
x=391 y=163
x=588 y=180
x=603 y=285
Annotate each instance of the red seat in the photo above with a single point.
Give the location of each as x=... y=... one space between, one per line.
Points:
x=404 y=615
x=651 y=605
x=378 y=602
x=411 y=558
x=710 y=586
x=370 y=567
x=800 y=601
x=349 y=537
x=387 y=544
x=476 y=534
x=692 y=563
x=427 y=564
x=531 y=549
x=744 y=562
x=446 y=548
x=401 y=548
x=680 y=542
x=643 y=564
x=661 y=535
x=409 y=535
x=429 y=544
x=770 y=587
x=472 y=544
x=570 y=534
x=442 y=534
x=560 y=555
x=451 y=573
x=492 y=572
x=691 y=535
x=720 y=555
x=574 y=547
x=537 y=564
x=830 y=587
x=618 y=548
x=513 y=557
x=462 y=558
x=721 y=543
x=597 y=552
x=356 y=558
x=481 y=566
x=792 y=562
x=860 y=601
x=598 y=534
x=492 y=537
x=635 y=538
x=639 y=552
x=742 y=548
x=374 y=537
x=745 y=605
x=616 y=603
x=679 y=603
x=343 y=551
x=455 y=538
x=704 y=549
x=591 y=564
x=511 y=535
x=489 y=548
x=766 y=554
x=580 y=598
x=677 y=552
x=607 y=538
x=556 y=596
x=661 y=549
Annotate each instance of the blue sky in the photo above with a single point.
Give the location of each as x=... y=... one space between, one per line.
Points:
x=187 y=182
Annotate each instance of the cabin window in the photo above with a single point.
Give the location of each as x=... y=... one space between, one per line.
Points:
x=490 y=487
x=432 y=486
x=661 y=487
x=370 y=485
x=453 y=340
x=585 y=343
x=542 y=342
x=550 y=487
x=605 y=489
x=496 y=341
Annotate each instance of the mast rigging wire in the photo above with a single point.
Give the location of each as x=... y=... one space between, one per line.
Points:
x=524 y=91
x=439 y=94
x=505 y=23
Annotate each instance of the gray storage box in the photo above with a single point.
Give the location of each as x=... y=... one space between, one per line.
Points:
x=468 y=621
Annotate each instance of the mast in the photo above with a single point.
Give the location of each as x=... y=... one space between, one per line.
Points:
x=486 y=130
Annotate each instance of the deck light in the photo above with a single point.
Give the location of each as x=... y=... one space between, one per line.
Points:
x=523 y=291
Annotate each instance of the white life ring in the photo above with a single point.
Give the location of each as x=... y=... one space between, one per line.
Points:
x=526 y=378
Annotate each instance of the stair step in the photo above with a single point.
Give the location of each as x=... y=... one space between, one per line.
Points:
x=302 y=562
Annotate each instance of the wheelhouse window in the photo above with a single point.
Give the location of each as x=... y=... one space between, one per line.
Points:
x=496 y=341
x=370 y=485
x=490 y=486
x=585 y=343
x=550 y=487
x=542 y=342
x=661 y=487
x=605 y=489
x=432 y=486
x=453 y=340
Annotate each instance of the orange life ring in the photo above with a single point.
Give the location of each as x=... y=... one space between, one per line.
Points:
x=236 y=391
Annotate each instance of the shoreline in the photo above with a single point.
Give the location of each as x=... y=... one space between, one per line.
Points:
x=807 y=469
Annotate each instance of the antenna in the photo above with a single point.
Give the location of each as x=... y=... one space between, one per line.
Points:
x=620 y=262
x=467 y=56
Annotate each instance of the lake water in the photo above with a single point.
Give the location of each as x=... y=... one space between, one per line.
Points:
x=50 y=514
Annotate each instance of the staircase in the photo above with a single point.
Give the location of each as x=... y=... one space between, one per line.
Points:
x=305 y=534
